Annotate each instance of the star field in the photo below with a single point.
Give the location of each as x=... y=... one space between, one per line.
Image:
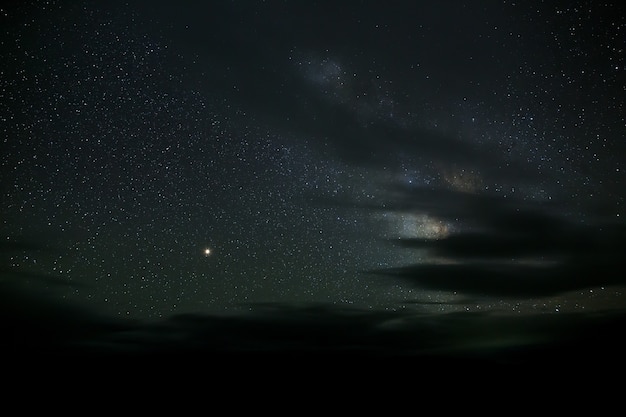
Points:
x=206 y=158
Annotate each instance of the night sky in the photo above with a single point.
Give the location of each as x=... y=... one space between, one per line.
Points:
x=450 y=170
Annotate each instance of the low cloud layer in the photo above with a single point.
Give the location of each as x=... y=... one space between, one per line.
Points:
x=506 y=249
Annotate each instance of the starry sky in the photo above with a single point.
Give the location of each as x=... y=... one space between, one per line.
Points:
x=409 y=159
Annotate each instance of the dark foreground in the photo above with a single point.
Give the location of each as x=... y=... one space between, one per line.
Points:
x=312 y=337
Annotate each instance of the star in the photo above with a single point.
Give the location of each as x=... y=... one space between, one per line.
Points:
x=207 y=252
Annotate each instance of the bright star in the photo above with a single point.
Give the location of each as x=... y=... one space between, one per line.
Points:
x=207 y=252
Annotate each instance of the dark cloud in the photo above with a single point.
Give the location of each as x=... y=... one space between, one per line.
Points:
x=254 y=66
x=512 y=252
x=512 y=280
x=378 y=143
x=549 y=244
x=486 y=209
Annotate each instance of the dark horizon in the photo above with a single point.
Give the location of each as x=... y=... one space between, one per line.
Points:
x=45 y=331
